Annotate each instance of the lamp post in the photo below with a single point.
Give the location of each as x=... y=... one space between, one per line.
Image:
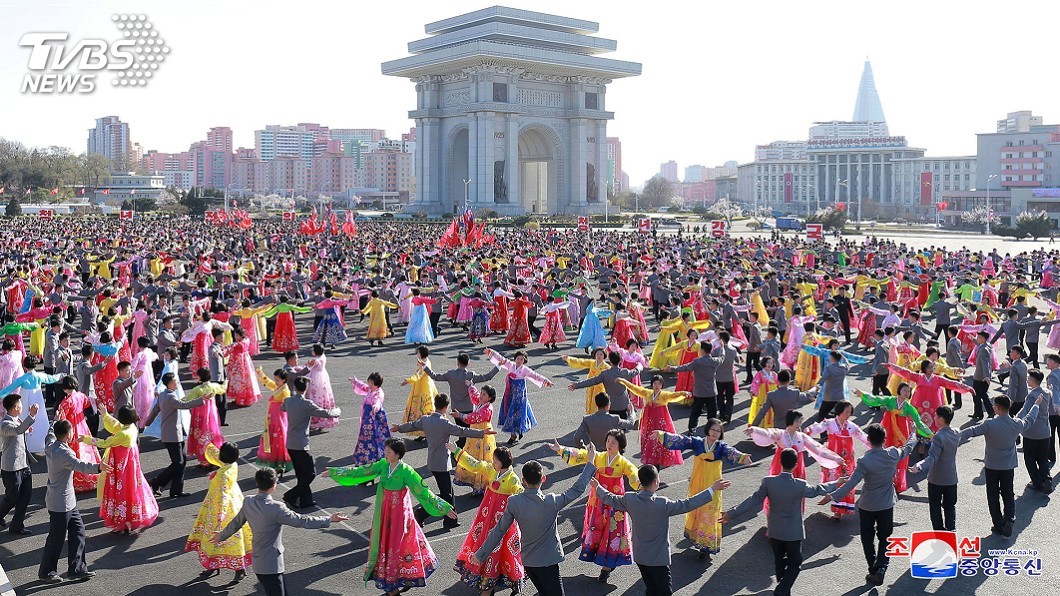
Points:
x=839 y=183
x=467 y=184
x=988 y=206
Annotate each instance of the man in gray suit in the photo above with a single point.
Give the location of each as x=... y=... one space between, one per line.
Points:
x=984 y=366
x=1000 y=461
x=437 y=428
x=724 y=378
x=536 y=513
x=267 y=517
x=216 y=360
x=299 y=413
x=594 y=427
x=833 y=381
x=64 y=517
x=14 y=463
x=616 y=392
x=704 y=386
x=783 y=399
x=1036 y=437
x=168 y=405
x=941 y=462
x=876 y=503
x=458 y=379
x=955 y=358
x=650 y=514
x=123 y=385
x=784 y=518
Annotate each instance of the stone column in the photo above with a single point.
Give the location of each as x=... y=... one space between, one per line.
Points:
x=484 y=171
x=601 y=160
x=514 y=172
x=473 y=158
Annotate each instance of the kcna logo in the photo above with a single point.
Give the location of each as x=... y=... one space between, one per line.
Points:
x=60 y=65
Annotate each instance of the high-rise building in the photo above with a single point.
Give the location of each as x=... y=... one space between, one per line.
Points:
x=868 y=107
x=220 y=138
x=287 y=141
x=614 y=165
x=110 y=138
x=837 y=129
x=781 y=151
x=924 y=180
x=695 y=173
x=1021 y=158
x=668 y=170
x=1021 y=121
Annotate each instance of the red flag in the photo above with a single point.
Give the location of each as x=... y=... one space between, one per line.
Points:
x=28 y=191
x=81 y=191
x=55 y=191
x=126 y=214
x=46 y=214
x=105 y=191
x=450 y=236
x=288 y=216
x=349 y=227
x=926 y=188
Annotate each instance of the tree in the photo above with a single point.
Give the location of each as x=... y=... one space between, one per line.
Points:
x=1035 y=225
x=978 y=216
x=829 y=217
x=126 y=205
x=195 y=202
x=726 y=209
x=657 y=192
x=14 y=208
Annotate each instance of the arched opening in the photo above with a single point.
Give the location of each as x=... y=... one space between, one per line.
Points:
x=538 y=172
x=458 y=171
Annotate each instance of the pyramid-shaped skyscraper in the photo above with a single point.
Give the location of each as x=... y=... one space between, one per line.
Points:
x=868 y=107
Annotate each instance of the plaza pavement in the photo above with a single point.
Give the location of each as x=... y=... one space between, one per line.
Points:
x=332 y=561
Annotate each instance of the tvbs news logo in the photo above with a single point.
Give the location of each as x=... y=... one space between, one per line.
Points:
x=59 y=65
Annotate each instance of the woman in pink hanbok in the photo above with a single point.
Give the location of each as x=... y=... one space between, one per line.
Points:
x=10 y=362
x=205 y=422
x=200 y=336
x=144 y=389
x=252 y=324
x=243 y=388
x=73 y=408
x=320 y=391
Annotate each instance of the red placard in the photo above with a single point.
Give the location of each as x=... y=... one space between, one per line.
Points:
x=583 y=223
x=719 y=228
x=644 y=225
x=288 y=215
x=125 y=215
x=46 y=214
x=216 y=216
x=814 y=231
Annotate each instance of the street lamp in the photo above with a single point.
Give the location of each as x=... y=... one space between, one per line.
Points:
x=467 y=184
x=989 y=210
x=839 y=183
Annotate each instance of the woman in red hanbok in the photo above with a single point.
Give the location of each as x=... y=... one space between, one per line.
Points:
x=552 y=332
x=243 y=388
x=201 y=336
x=656 y=416
x=126 y=501
x=841 y=434
x=103 y=379
x=519 y=328
x=72 y=408
x=499 y=318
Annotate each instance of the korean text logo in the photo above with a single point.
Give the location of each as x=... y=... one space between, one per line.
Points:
x=940 y=555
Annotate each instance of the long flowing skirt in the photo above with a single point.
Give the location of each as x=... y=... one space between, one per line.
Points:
x=518 y=333
x=623 y=332
x=373 y=434
x=703 y=526
x=126 y=501
x=84 y=452
x=606 y=531
x=285 y=336
x=103 y=381
x=405 y=560
x=419 y=330
x=757 y=401
x=478 y=327
x=463 y=313
x=482 y=450
x=844 y=446
x=216 y=511
x=243 y=388
x=321 y=394
x=330 y=330
x=503 y=568
x=656 y=417
x=205 y=429
x=419 y=403
x=553 y=329
x=250 y=328
x=272 y=450
x=592 y=335
x=200 y=348
x=898 y=428
x=516 y=414
x=499 y=318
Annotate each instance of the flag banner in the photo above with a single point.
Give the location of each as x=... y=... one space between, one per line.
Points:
x=583 y=223
x=789 y=189
x=125 y=215
x=105 y=191
x=288 y=216
x=644 y=225
x=814 y=231
x=926 y=189
x=719 y=228
x=46 y=214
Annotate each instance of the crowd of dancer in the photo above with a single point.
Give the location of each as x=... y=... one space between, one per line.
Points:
x=115 y=332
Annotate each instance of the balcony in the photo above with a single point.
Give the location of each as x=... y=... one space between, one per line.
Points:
x=1035 y=172
x=1008 y=160
x=1019 y=148
x=1021 y=183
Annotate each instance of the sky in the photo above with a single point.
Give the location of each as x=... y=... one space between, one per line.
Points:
x=718 y=78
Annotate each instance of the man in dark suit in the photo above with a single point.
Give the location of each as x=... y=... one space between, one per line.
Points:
x=704 y=385
x=64 y=517
x=299 y=413
x=168 y=406
x=458 y=379
x=267 y=517
x=616 y=391
x=784 y=519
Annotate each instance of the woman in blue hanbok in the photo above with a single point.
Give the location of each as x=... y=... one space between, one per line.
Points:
x=331 y=330
x=419 y=330
x=516 y=416
x=593 y=335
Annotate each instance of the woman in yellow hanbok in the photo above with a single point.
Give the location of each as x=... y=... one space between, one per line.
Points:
x=421 y=398
x=223 y=502
x=605 y=531
x=503 y=568
x=902 y=354
x=703 y=526
x=481 y=449
x=376 y=311
x=763 y=383
x=668 y=331
x=808 y=366
x=596 y=365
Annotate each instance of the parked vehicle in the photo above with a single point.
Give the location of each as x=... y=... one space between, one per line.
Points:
x=789 y=223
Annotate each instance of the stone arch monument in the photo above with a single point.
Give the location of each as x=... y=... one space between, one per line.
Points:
x=514 y=102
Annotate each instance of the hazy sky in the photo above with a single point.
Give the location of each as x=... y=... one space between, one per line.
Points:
x=718 y=78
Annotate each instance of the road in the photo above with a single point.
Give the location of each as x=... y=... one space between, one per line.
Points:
x=332 y=561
